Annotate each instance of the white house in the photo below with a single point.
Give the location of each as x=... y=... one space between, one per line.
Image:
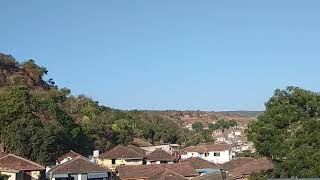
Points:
x=237 y=133
x=220 y=139
x=215 y=153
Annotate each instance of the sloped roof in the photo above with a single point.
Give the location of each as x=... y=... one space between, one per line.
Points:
x=251 y=167
x=17 y=163
x=138 y=171
x=185 y=169
x=199 y=163
x=167 y=174
x=78 y=165
x=137 y=149
x=160 y=155
x=207 y=148
x=234 y=163
x=147 y=171
x=121 y=152
x=70 y=154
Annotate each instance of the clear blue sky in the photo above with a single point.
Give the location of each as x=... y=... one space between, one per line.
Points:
x=169 y=54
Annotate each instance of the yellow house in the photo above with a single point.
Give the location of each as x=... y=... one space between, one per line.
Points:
x=120 y=155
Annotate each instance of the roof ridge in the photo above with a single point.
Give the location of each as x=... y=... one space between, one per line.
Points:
x=110 y=150
x=22 y=158
x=62 y=164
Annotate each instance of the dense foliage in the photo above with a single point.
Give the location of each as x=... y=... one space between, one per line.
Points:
x=222 y=124
x=289 y=132
x=40 y=121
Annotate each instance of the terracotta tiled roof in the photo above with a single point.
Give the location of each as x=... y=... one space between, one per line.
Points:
x=78 y=165
x=138 y=172
x=147 y=171
x=17 y=163
x=70 y=154
x=199 y=163
x=234 y=163
x=251 y=167
x=207 y=148
x=185 y=169
x=167 y=174
x=160 y=155
x=121 y=152
x=137 y=149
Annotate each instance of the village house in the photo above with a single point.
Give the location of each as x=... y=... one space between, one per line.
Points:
x=19 y=168
x=215 y=153
x=157 y=171
x=79 y=168
x=159 y=156
x=237 y=133
x=220 y=139
x=121 y=155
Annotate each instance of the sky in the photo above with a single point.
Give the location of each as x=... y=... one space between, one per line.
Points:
x=168 y=54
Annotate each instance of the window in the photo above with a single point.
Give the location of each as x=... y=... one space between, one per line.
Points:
x=216 y=154
x=113 y=161
x=206 y=154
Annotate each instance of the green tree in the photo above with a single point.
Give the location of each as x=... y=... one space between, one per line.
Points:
x=197 y=126
x=233 y=123
x=213 y=127
x=123 y=130
x=289 y=132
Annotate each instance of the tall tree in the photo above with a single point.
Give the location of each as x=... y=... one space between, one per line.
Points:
x=289 y=132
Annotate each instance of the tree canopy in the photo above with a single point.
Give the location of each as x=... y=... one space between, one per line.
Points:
x=289 y=132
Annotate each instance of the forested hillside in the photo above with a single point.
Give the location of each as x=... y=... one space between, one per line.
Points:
x=41 y=121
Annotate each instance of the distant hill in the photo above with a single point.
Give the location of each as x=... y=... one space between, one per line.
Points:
x=247 y=114
x=206 y=117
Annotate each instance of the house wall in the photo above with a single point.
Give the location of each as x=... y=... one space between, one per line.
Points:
x=133 y=162
x=35 y=175
x=225 y=156
x=156 y=162
x=108 y=162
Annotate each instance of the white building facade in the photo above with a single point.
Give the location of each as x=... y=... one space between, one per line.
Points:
x=215 y=153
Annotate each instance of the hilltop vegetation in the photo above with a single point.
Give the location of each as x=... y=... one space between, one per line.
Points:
x=40 y=121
